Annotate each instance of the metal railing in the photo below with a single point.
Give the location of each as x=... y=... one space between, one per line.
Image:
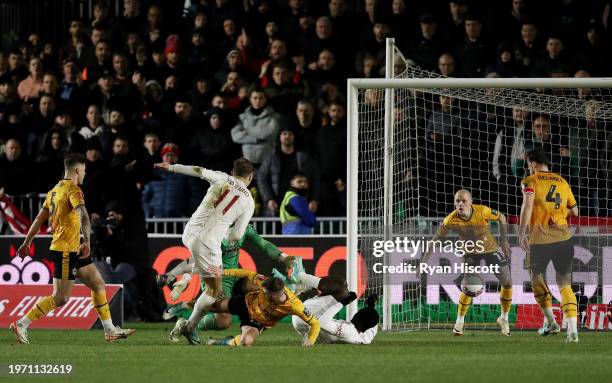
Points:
x=263 y=225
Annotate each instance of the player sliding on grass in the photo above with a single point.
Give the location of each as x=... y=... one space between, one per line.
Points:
x=230 y=255
x=257 y=310
x=361 y=329
x=544 y=234
x=228 y=202
x=64 y=207
x=471 y=222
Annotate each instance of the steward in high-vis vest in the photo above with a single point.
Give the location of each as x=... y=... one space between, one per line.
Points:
x=295 y=216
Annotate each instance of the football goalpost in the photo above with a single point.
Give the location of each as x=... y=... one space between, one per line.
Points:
x=415 y=138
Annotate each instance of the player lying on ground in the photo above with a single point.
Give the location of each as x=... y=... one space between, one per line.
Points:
x=471 y=222
x=64 y=207
x=331 y=293
x=257 y=310
x=230 y=255
x=227 y=203
x=361 y=329
x=545 y=235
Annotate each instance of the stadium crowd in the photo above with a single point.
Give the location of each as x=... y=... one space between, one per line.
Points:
x=210 y=80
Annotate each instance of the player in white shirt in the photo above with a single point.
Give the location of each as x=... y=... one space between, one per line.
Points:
x=360 y=330
x=228 y=202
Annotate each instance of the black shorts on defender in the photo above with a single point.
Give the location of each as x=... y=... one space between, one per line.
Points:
x=491 y=259
x=560 y=253
x=66 y=264
x=237 y=306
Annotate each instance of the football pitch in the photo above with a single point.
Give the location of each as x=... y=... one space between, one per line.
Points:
x=424 y=356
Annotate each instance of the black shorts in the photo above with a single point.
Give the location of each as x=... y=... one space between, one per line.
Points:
x=66 y=264
x=491 y=259
x=237 y=306
x=560 y=253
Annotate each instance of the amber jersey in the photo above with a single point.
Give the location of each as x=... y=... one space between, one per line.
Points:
x=64 y=220
x=474 y=228
x=267 y=313
x=553 y=198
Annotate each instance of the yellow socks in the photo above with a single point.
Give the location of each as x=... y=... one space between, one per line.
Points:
x=42 y=308
x=99 y=302
x=464 y=305
x=505 y=300
x=235 y=341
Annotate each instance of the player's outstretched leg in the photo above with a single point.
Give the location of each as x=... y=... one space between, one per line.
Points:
x=462 y=309
x=91 y=277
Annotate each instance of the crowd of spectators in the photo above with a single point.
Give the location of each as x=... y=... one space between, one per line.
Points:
x=207 y=81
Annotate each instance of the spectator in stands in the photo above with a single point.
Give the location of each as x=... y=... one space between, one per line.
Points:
x=96 y=182
x=331 y=144
x=276 y=171
x=428 y=46
x=17 y=71
x=446 y=65
x=529 y=46
x=295 y=215
x=152 y=145
x=509 y=153
x=592 y=54
x=326 y=72
x=50 y=159
x=454 y=28
x=231 y=90
x=323 y=38
x=183 y=124
x=74 y=140
x=10 y=109
x=167 y=195
x=202 y=93
x=94 y=126
x=473 y=49
x=39 y=122
x=212 y=145
x=30 y=87
x=305 y=126
x=375 y=44
x=123 y=175
x=154 y=29
x=555 y=144
x=282 y=93
x=506 y=65
x=72 y=95
x=15 y=170
x=88 y=54
x=101 y=64
x=256 y=128
x=74 y=48
x=553 y=60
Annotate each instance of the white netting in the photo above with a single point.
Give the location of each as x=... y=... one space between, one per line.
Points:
x=476 y=138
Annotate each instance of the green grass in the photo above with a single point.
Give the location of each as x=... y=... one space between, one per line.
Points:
x=425 y=356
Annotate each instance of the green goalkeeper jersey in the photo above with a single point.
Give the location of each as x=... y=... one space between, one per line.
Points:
x=231 y=252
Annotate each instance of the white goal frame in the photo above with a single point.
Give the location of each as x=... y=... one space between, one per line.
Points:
x=353 y=86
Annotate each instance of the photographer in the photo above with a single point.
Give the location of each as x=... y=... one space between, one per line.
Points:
x=120 y=251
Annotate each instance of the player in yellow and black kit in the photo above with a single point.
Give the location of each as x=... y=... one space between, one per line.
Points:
x=64 y=207
x=545 y=235
x=471 y=222
x=269 y=302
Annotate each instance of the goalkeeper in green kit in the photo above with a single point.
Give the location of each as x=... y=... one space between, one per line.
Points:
x=230 y=255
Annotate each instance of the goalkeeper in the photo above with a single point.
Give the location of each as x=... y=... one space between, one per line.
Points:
x=230 y=255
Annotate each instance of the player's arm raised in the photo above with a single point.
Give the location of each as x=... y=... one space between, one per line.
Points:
x=84 y=248
x=41 y=217
x=193 y=171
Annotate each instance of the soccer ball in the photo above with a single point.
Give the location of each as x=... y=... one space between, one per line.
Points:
x=472 y=286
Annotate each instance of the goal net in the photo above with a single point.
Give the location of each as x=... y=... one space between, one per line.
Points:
x=417 y=138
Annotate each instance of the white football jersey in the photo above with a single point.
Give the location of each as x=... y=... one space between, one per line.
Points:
x=228 y=201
